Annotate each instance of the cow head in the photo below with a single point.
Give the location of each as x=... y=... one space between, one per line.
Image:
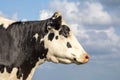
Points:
x=62 y=45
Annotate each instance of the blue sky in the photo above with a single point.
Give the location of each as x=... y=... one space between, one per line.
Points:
x=96 y=24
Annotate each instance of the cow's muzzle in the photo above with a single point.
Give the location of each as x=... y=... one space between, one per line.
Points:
x=83 y=59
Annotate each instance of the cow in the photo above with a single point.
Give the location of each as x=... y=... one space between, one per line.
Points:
x=24 y=45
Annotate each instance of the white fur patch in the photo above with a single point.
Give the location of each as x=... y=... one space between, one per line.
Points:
x=9 y=76
x=36 y=36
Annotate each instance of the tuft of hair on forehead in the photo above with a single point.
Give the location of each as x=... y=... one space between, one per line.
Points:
x=56 y=15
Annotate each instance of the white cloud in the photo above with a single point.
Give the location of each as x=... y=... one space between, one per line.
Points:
x=94 y=13
x=15 y=16
x=107 y=35
x=102 y=44
x=44 y=14
x=1 y=13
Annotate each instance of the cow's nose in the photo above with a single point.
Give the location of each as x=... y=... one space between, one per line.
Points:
x=83 y=59
x=87 y=57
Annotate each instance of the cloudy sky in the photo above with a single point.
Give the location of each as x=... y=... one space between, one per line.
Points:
x=96 y=24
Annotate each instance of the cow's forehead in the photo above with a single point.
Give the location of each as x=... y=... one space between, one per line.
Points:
x=64 y=31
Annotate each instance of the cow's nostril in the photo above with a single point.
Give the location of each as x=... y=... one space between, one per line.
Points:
x=74 y=59
x=86 y=57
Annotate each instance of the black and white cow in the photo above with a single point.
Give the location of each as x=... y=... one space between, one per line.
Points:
x=26 y=45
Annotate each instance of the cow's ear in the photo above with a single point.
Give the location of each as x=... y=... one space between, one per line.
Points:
x=56 y=20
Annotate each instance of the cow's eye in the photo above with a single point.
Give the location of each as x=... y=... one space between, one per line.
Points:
x=69 y=45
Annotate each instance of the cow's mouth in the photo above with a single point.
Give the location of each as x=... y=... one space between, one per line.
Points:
x=81 y=61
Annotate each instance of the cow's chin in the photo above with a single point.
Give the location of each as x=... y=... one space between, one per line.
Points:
x=70 y=61
x=65 y=61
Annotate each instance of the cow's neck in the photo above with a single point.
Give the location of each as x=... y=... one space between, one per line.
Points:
x=33 y=69
x=36 y=51
x=32 y=51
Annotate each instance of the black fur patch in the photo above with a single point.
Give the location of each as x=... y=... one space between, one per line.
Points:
x=64 y=31
x=51 y=36
x=55 y=23
x=56 y=37
x=69 y=45
x=43 y=50
x=9 y=69
x=19 y=73
x=2 y=68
